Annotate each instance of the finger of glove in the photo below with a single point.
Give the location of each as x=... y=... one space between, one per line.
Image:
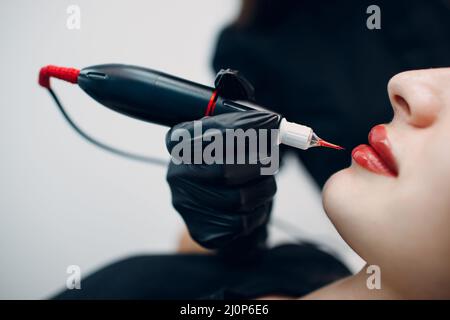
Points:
x=243 y=198
x=225 y=174
x=215 y=229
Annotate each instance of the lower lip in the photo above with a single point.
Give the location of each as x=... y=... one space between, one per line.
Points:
x=368 y=158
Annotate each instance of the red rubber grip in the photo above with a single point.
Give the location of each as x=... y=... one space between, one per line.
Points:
x=63 y=73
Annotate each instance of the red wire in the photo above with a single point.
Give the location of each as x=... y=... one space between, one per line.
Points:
x=212 y=104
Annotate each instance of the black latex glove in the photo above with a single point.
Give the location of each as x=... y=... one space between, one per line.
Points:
x=225 y=206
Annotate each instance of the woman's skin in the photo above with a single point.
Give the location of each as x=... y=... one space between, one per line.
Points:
x=400 y=223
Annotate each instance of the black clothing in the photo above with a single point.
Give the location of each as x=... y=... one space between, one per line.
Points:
x=291 y=270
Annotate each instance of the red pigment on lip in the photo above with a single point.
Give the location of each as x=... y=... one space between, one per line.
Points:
x=367 y=157
x=378 y=139
x=327 y=144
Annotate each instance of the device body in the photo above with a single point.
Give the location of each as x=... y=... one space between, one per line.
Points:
x=160 y=98
x=154 y=96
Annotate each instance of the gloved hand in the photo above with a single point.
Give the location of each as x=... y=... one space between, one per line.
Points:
x=225 y=206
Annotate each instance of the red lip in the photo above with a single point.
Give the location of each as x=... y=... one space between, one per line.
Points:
x=376 y=157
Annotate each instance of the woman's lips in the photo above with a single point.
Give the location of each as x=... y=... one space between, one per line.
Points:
x=376 y=157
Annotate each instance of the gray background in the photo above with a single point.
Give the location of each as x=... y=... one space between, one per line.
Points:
x=63 y=201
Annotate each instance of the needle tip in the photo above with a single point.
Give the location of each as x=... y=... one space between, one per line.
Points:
x=326 y=144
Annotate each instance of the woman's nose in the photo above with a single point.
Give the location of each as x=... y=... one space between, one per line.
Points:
x=414 y=97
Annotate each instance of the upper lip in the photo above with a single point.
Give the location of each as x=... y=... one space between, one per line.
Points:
x=378 y=140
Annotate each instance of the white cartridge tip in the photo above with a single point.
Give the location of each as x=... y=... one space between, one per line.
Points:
x=295 y=135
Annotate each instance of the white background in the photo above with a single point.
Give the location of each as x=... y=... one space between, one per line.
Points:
x=63 y=201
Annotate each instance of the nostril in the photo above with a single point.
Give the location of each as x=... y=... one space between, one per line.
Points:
x=402 y=104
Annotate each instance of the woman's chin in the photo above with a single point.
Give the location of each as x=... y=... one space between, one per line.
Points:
x=344 y=207
x=346 y=190
x=337 y=192
x=354 y=199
